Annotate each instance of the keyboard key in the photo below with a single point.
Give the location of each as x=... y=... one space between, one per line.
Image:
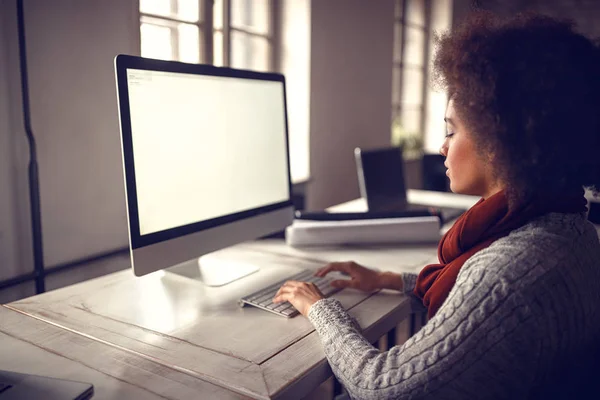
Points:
x=288 y=312
x=283 y=306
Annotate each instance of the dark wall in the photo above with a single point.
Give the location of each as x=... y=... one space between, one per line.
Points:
x=585 y=13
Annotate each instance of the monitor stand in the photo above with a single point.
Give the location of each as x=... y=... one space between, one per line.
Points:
x=214 y=270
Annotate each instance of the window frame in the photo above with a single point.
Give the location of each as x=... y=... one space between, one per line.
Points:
x=206 y=27
x=399 y=65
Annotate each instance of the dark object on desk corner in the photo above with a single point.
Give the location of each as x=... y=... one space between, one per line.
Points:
x=594 y=212
x=14 y=385
x=380 y=175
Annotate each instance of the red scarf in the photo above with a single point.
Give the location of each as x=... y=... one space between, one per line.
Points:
x=485 y=222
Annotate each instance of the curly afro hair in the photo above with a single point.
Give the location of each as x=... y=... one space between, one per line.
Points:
x=528 y=90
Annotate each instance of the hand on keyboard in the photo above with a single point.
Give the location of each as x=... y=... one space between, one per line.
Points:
x=362 y=278
x=302 y=295
x=264 y=298
x=302 y=290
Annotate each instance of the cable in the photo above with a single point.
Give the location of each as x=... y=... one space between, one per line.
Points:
x=34 y=185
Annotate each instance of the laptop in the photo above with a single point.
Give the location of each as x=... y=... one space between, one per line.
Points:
x=14 y=385
x=382 y=184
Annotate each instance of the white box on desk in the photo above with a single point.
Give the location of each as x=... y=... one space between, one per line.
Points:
x=369 y=231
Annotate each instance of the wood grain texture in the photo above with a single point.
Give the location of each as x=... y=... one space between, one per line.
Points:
x=35 y=347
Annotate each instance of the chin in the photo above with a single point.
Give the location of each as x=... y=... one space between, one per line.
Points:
x=457 y=189
x=453 y=188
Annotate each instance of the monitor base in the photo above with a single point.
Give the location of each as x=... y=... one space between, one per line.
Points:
x=213 y=270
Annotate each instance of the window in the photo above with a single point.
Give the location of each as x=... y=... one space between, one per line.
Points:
x=410 y=73
x=240 y=34
x=235 y=33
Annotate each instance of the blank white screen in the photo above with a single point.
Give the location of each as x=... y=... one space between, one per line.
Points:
x=205 y=146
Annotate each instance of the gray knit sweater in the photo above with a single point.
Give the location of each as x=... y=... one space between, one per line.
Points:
x=521 y=322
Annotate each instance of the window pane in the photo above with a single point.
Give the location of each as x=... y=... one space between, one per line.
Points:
x=412 y=86
x=249 y=52
x=251 y=15
x=414 y=47
x=410 y=119
x=156 y=41
x=397 y=42
x=188 y=10
x=395 y=114
x=218 y=14
x=415 y=11
x=396 y=71
x=189 y=43
x=157 y=7
x=218 y=49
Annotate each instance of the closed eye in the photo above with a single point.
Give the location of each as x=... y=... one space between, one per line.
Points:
x=449 y=135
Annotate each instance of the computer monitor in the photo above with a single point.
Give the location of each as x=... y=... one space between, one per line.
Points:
x=206 y=163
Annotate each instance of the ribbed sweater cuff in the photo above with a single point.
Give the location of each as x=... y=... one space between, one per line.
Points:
x=409 y=280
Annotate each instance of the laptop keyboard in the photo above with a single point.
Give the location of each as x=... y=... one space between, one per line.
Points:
x=263 y=298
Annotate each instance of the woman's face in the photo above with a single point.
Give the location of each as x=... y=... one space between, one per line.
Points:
x=468 y=171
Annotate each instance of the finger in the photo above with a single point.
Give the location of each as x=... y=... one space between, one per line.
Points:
x=286 y=287
x=280 y=298
x=282 y=292
x=278 y=292
x=321 y=272
x=334 y=266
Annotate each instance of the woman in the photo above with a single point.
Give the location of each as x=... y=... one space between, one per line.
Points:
x=514 y=304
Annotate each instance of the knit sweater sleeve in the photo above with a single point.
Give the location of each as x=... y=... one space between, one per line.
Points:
x=478 y=345
x=409 y=281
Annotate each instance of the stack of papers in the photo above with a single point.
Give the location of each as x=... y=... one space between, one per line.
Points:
x=366 y=231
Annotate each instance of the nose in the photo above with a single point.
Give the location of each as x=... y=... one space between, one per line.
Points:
x=444 y=150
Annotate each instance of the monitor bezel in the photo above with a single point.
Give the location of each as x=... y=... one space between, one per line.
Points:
x=125 y=62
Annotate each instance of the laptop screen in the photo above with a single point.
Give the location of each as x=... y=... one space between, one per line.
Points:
x=381 y=178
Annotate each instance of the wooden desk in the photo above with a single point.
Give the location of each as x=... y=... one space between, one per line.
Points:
x=181 y=330
x=31 y=346
x=185 y=327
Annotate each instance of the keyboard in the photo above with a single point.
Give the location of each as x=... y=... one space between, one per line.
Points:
x=263 y=298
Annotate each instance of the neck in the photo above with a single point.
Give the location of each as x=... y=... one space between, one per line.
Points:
x=492 y=191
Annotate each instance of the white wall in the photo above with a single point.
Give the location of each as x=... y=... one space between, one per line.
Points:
x=295 y=65
x=8 y=245
x=71 y=46
x=350 y=105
